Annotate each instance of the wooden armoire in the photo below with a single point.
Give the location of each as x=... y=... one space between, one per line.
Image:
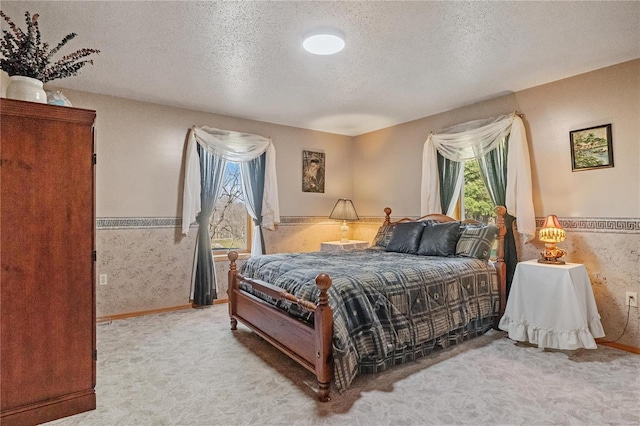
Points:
x=47 y=256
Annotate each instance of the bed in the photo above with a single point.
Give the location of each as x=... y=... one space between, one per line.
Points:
x=341 y=314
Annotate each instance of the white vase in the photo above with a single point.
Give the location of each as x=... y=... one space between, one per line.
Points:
x=26 y=89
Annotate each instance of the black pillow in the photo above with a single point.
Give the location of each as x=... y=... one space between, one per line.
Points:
x=406 y=237
x=439 y=239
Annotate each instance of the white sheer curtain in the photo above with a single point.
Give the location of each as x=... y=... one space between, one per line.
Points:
x=235 y=147
x=472 y=140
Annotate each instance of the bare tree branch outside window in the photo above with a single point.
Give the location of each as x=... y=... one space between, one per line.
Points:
x=228 y=223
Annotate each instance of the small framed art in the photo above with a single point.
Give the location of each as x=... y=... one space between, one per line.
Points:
x=591 y=148
x=312 y=171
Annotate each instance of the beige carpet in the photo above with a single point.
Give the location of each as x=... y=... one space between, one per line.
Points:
x=188 y=368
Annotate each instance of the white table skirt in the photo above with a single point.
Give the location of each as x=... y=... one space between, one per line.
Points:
x=552 y=306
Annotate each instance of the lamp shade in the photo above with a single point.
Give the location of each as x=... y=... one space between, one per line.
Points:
x=344 y=210
x=551 y=231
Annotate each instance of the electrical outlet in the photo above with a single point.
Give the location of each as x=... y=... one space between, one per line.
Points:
x=631 y=299
x=103 y=279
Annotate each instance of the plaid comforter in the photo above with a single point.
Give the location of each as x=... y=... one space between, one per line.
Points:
x=388 y=307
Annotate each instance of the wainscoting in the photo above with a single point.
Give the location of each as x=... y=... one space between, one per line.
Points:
x=148 y=265
x=148 y=262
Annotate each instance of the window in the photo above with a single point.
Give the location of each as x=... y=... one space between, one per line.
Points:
x=230 y=224
x=476 y=203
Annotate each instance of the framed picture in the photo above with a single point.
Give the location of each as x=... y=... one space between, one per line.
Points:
x=591 y=148
x=312 y=171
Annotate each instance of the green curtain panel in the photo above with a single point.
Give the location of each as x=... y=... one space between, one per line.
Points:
x=448 y=172
x=493 y=169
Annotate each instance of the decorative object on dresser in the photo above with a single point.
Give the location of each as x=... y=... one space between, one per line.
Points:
x=26 y=89
x=57 y=98
x=47 y=244
x=344 y=211
x=550 y=234
x=552 y=307
x=27 y=60
x=329 y=325
x=591 y=148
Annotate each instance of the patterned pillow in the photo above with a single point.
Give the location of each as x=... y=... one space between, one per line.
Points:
x=384 y=235
x=476 y=241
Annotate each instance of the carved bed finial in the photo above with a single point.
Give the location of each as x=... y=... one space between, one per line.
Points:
x=500 y=210
x=233 y=256
x=387 y=217
x=323 y=281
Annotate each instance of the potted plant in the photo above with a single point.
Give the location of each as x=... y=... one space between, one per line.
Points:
x=28 y=61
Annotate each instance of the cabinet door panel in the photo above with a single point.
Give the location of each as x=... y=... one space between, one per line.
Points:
x=47 y=230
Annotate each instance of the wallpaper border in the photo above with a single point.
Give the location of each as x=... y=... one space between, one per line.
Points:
x=597 y=224
x=581 y=224
x=137 y=222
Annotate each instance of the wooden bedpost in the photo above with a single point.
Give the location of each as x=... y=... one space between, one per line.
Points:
x=323 y=319
x=232 y=285
x=387 y=217
x=501 y=267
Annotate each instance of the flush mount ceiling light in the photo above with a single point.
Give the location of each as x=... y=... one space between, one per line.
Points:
x=323 y=44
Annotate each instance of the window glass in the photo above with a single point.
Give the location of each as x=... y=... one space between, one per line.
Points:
x=229 y=224
x=476 y=203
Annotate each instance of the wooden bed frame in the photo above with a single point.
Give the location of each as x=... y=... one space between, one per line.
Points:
x=310 y=345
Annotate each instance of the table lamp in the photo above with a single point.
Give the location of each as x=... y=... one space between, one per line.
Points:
x=344 y=211
x=552 y=233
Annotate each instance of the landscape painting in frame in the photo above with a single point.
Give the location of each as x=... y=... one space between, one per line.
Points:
x=591 y=148
x=312 y=171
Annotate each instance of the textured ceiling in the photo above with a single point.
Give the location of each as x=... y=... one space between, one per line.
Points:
x=402 y=60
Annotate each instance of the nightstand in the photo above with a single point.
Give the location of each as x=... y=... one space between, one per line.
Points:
x=337 y=246
x=552 y=306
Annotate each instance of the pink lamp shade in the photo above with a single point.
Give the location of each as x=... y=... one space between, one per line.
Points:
x=550 y=234
x=551 y=231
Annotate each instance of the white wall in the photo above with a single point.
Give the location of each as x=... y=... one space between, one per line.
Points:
x=387 y=163
x=140 y=150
